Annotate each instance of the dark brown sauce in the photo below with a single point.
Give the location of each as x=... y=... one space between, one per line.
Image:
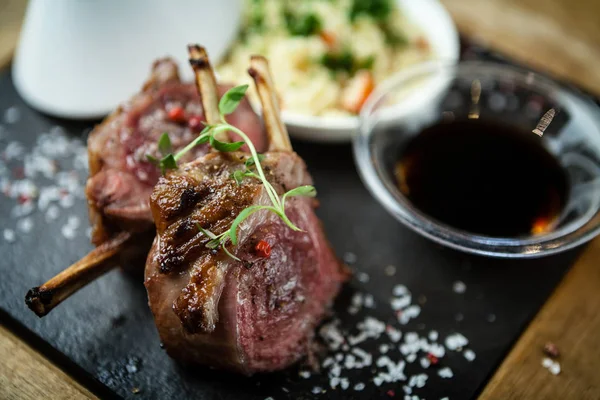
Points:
x=483 y=177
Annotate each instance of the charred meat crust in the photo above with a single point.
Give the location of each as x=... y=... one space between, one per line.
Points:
x=201 y=193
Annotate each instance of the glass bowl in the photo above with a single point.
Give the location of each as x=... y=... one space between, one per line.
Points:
x=568 y=122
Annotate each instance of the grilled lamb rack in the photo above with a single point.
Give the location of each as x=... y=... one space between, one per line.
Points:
x=256 y=309
x=121 y=178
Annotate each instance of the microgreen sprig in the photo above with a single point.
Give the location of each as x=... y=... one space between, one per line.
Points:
x=252 y=169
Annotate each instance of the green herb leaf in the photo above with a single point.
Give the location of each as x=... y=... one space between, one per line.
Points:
x=305 y=191
x=223 y=245
x=224 y=146
x=213 y=244
x=246 y=212
x=238 y=176
x=231 y=99
x=250 y=161
x=152 y=159
x=164 y=144
x=206 y=232
x=168 y=162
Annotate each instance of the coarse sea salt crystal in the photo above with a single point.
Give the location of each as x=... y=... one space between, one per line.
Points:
x=349 y=258
x=445 y=373
x=13 y=150
x=369 y=301
x=433 y=336
x=304 y=374
x=445 y=398
x=437 y=350
x=409 y=313
x=555 y=368
x=362 y=277
x=317 y=390
x=52 y=213
x=400 y=290
x=411 y=357
x=456 y=341
x=359 y=386
x=68 y=232
x=407 y=389
x=390 y=270
x=394 y=334
x=469 y=355
x=73 y=221
x=25 y=225
x=9 y=235
x=357 y=300
x=384 y=348
x=425 y=363
x=547 y=362
x=12 y=115
x=344 y=383
x=398 y=303
x=459 y=287
x=334 y=382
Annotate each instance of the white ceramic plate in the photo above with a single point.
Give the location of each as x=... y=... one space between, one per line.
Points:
x=442 y=34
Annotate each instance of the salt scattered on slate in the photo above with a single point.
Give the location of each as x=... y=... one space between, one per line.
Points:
x=469 y=354
x=42 y=178
x=456 y=341
x=445 y=373
x=459 y=287
x=9 y=235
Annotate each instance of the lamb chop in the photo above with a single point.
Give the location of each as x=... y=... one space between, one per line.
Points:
x=121 y=178
x=250 y=304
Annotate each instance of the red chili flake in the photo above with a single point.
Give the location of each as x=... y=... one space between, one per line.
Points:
x=195 y=123
x=433 y=359
x=176 y=114
x=391 y=393
x=23 y=199
x=263 y=249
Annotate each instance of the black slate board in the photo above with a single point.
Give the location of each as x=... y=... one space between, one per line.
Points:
x=107 y=327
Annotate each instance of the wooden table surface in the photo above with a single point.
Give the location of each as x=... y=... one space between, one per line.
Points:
x=559 y=37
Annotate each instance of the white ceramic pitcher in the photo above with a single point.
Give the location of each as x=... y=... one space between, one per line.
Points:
x=81 y=58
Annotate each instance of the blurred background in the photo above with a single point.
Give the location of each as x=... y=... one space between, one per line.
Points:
x=527 y=30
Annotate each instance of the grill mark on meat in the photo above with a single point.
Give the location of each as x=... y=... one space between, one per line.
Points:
x=217 y=200
x=221 y=201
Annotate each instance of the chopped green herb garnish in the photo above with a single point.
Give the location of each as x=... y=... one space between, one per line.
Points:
x=302 y=25
x=344 y=61
x=339 y=61
x=252 y=169
x=379 y=10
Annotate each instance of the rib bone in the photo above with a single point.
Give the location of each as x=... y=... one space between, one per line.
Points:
x=276 y=131
x=206 y=84
x=41 y=300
